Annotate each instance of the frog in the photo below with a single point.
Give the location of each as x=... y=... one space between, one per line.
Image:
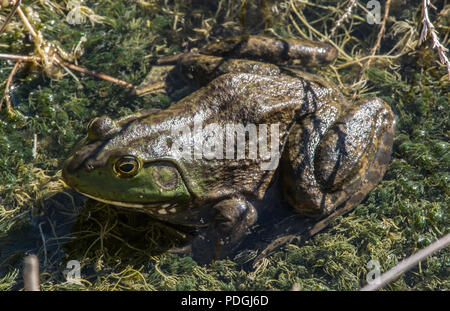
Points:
x=190 y=164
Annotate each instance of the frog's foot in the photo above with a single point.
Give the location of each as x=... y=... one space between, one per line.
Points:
x=233 y=219
x=337 y=167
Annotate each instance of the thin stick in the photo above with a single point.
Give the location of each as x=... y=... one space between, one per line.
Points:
x=95 y=74
x=19 y=57
x=8 y=84
x=428 y=29
x=408 y=263
x=10 y=15
x=58 y=60
x=319 y=226
x=24 y=19
x=149 y=89
x=31 y=273
x=43 y=242
x=343 y=17
x=375 y=47
x=381 y=33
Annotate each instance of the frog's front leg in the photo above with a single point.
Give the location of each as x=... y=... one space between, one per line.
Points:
x=232 y=220
x=333 y=161
x=248 y=54
x=199 y=69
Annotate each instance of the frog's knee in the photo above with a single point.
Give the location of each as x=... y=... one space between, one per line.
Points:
x=341 y=167
x=350 y=148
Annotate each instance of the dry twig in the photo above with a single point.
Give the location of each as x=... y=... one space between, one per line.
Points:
x=10 y=15
x=376 y=46
x=429 y=30
x=7 y=97
x=343 y=17
x=47 y=56
x=408 y=263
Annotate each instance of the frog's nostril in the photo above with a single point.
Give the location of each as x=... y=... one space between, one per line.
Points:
x=89 y=167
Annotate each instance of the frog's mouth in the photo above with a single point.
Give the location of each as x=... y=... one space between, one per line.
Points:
x=159 y=208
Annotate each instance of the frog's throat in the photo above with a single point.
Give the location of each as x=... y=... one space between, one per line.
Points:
x=161 y=208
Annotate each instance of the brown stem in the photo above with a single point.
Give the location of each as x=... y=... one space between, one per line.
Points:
x=381 y=33
x=10 y=15
x=8 y=85
x=376 y=46
x=24 y=19
x=407 y=264
x=95 y=74
x=19 y=57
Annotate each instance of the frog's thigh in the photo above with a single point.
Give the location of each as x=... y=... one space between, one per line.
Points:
x=325 y=170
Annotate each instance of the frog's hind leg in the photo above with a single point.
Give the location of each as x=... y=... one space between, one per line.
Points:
x=333 y=162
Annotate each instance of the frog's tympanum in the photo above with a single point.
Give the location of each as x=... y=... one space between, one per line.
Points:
x=185 y=166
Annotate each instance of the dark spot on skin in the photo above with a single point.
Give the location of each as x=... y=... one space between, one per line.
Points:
x=329 y=182
x=285 y=50
x=169 y=142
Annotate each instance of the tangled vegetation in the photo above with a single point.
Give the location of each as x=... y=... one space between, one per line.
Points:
x=46 y=106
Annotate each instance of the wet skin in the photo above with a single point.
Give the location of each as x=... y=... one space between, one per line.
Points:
x=332 y=152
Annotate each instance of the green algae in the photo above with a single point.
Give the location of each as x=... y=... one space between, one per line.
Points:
x=120 y=250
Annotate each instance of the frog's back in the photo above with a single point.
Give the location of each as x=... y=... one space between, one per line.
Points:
x=244 y=101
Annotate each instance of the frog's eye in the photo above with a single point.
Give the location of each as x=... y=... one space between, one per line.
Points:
x=127 y=166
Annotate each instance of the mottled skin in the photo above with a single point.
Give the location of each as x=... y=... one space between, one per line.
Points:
x=333 y=152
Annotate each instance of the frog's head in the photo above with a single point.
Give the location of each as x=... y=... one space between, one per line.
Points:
x=110 y=166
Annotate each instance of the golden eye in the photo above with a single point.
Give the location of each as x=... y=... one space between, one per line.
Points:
x=127 y=166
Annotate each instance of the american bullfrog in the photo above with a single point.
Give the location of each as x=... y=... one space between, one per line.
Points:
x=209 y=159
